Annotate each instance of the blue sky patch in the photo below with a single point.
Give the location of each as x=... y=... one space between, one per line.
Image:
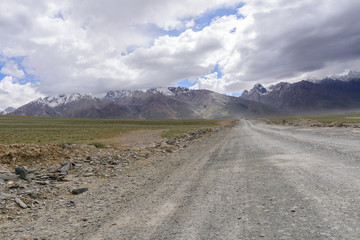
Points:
x=162 y=32
x=236 y=94
x=175 y=32
x=28 y=79
x=129 y=50
x=18 y=60
x=216 y=70
x=2 y=75
x=59 y=15
x=2 y=64
x=186 y=83
x=206 y=18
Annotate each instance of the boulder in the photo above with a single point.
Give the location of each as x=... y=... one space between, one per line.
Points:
x=22 y=173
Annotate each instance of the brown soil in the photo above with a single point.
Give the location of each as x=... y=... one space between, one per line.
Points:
x=32 y=155
x=135 y=139
x=228 y=122
x=56 y=170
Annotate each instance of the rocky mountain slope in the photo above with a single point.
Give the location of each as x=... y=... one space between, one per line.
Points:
x=332 y=94
x=174 y=102
x=7 y=111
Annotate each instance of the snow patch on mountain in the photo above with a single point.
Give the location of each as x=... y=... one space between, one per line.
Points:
x=278 y=87
x=7 y=110
x=170 y=91
x=346 y=76
x=260 y=89
x=55 y=101
x=120 y=94
x=164 y=91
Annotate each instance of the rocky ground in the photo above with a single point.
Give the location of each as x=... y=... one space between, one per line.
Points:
x=253 y=181
x=50 y=184
x=314 y=123
x=250 y=181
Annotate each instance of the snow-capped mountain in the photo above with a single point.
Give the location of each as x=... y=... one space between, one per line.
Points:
x=63 y=105
x=62 y=99
x=7 y=111
x=256 y=92
x=173 y=102
x=259 y=88
x=351 y=75
x=330 y=95
x=164 y=91
x=121 y=96
x=170 y=91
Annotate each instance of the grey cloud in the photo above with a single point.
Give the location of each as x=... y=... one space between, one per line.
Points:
x=167 y=67
x=303 y=39
x=84 y=51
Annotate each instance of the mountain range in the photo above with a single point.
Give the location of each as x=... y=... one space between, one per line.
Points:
x=173 y=102
x=330 y=95
x=333 y=94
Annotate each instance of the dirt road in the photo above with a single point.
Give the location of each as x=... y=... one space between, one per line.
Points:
x=253 y=181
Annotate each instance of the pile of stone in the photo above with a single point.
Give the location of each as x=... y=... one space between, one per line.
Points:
x=30 y=187
x=341 y=124
x=305 y=122
x=24 y=189
x=314 y=123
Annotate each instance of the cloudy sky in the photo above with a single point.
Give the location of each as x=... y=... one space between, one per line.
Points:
x=49 y=47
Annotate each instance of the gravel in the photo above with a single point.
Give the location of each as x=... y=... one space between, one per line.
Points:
x=253 y=181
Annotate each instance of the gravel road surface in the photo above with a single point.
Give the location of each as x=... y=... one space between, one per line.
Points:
x=254 y=181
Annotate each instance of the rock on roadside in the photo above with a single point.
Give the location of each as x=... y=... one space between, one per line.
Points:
x=79 y=190
x=22 y=173
x=21 y=203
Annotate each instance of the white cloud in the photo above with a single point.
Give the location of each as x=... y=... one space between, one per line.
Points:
x=190 y=24
x=92 y=46
x=79 y=45
x=12 y=69
x=211 y=82
x=13 y=94
x=190 y=55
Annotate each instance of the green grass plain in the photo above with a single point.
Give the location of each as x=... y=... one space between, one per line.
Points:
x=344 y=118
x=44 y=130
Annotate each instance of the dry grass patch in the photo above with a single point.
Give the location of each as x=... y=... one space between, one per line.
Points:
x=43 y=130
